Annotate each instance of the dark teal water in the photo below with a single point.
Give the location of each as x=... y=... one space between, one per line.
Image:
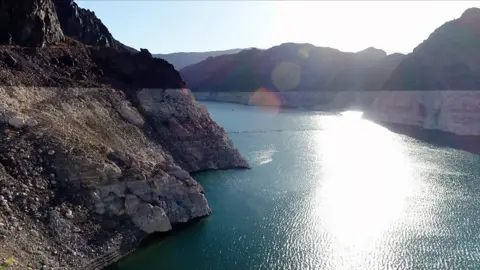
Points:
x=329 y=192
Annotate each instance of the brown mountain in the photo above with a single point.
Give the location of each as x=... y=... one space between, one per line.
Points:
x=182 y=59
x=448 y=60
x=292 y=67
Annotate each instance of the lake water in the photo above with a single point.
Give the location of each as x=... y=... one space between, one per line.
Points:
x=329 y=192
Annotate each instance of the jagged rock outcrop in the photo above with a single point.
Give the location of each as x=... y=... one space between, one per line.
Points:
x=29 y=23
x=291 y=67
x=84 y=26
x=199 y=143
x=88 y=166
x=448 y=60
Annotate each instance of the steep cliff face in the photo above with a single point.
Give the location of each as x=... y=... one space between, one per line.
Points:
x=438 y=75
x=447 y=60
x=456 y=112
x=292 y=67
x=96 y=146
x=29 y=23
x=84 y=26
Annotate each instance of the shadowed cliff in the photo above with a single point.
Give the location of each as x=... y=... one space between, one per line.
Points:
x=447 y=60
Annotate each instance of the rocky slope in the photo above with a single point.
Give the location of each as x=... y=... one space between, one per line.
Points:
x=30 y=22
x=292 y=67
x=96 y=146
x=183 y=59
x=84 y=26
x=448 y=60
x=441 y=77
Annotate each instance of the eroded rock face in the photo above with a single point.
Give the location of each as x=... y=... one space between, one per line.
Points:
x=84 y=26
x=88 y=167
x=92 y=179
x=86 y=162
x=29 y=23
x=199 y=143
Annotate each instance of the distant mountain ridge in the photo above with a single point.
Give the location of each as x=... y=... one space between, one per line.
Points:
x=292 y=67
x=448 y=60
x=182 y=59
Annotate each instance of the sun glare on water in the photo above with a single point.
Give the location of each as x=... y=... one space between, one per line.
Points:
x=366 y=180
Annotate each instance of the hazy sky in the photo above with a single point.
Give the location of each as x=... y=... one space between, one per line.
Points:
x=174 y=26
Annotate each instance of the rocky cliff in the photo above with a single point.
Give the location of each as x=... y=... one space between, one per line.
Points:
x=438 y=82
x=447 y=60
x=84 y=26
x=96 y=146
x=30 y=22
x=292 y=67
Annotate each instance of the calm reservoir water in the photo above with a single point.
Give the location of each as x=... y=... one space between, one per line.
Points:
x=329 y=192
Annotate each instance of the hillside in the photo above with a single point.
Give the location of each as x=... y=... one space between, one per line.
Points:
x=96 y=141
x=292 y=67
x=182 y=59
x=449 y=59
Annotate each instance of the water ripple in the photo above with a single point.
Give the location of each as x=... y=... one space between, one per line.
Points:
x=330 y=193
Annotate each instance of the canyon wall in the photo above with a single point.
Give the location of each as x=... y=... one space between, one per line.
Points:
x=97 y=141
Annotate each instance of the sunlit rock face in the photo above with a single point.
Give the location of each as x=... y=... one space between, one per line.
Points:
x=186 y=130
x=89 y=158
x=457 y=112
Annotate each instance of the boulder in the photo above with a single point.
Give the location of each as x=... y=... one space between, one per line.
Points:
x=151 y=219
x=17 y=122
x=130 y=114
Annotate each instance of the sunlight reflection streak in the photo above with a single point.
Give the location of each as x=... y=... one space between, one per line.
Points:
x=367 y=179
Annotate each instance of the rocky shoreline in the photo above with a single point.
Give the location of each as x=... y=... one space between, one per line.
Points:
x=456 y=112
x=97 y=141
x=88 y=182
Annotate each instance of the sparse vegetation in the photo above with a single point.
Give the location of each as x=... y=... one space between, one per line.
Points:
x=7 y=263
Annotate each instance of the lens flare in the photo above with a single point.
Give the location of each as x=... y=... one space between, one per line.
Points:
x=286 y=76
x=265 y=99
x=304 y=52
